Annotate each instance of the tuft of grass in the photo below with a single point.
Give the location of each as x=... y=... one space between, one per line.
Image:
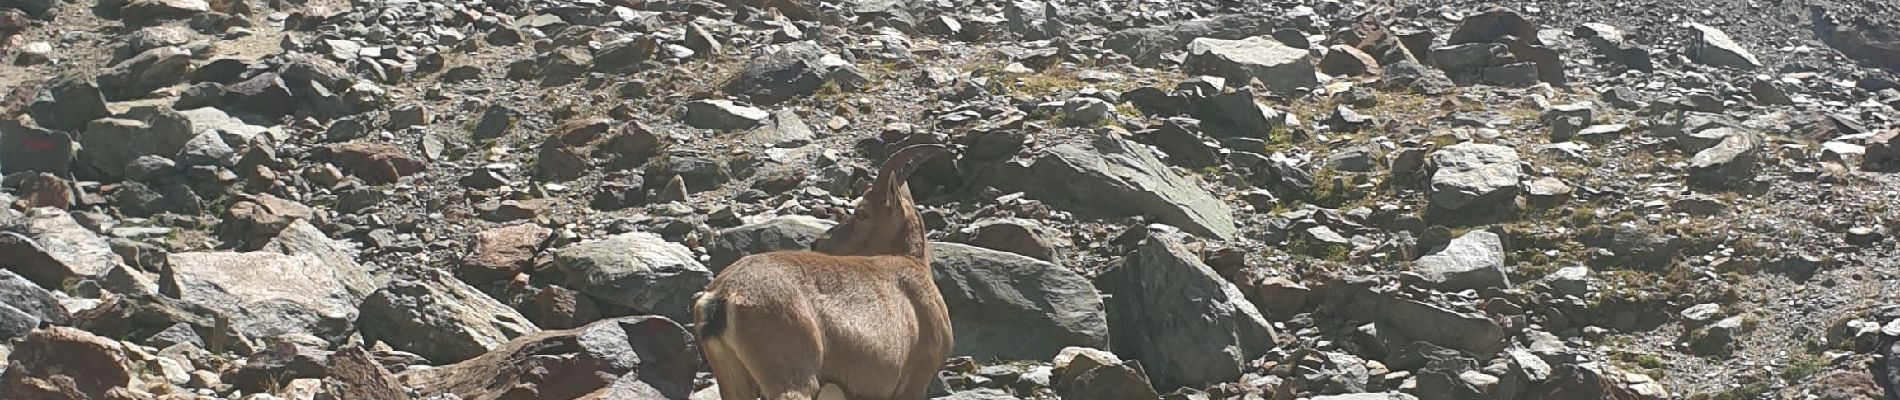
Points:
x=1802 y=366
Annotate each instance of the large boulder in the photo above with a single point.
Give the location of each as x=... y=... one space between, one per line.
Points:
x=1120 y=177
x=637 y=270
x=51 y=249
x=25 y=148
x=1472 y=261
x=1730 y=161
x=1021 y=236
x=146 y=72
x=501 y=253
x=24 y=304
x=376 y=163
x=1183 y=322
x=439 y=318
x=1013 y=307
x=66 y=363
x=1865 y=40
x=1087 y=373
x=1711 y=46
x=1401 y=321
x=792 y=232
x=1473 y=173
x=1281 y=68
x=256 y=219
x=723 y=115
x=789 y=71
x=109 y=144
x=623 y=358
x=68 y=103
x=301 y=238
x=268 y=294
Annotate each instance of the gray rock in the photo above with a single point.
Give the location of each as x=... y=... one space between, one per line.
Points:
x=269 y=294
x=1184 y=323
x=1086 y=373
x=439 y=318
x=623 y=56
x=1473 y=173
x=1121 y=177
x=496 y=121
x=1716 y=339
x=1013 y=307
x=111 y=143
x=144 y=73
x=637 y=270
x=1731 y=161
x=27 y=302
x=1402 y=321
x=68 y=104
x=1472 y=261
x=785 y=129
x=789 y=71
x=723 y=115
x=33 y=7
x=207 y=148
x=1280 y=67
x=150 y=12
x=792 y=232
x=51 y=249
x=135 y=199
x=1087 y=111
x=1713 y=47
x=302 y=238
x=1020 y=236
x=25 y=148
x=1034 y=20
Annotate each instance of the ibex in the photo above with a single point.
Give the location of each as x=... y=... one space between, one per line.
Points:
x=860 y=311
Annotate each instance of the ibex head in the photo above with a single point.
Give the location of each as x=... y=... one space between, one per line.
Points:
x=886 y=221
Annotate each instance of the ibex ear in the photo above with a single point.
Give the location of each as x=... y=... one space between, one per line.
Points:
x=885 y=221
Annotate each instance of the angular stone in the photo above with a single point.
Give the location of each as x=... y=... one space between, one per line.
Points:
x=723 y=115
x=501 y=253
x=1086 y=373
x=269 y=294
x=142 y=74
x=1120 y=177
x=1008 y=306
x=53 y=250
x=636 y=270
x=1020 y=236
x=1280 y=67
x=1731 y=161
x=376 y=163
x=1186 y=324
x=791 y=232
x=66 y=363
x=68 y=104
x=1713 y=47
x=1473 y=173
x=25 y=148
x=1472 y=261
x=110 y=143
x=439 y=318
x=786 y=72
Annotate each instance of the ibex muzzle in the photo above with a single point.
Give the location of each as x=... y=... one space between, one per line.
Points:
x=860 y=311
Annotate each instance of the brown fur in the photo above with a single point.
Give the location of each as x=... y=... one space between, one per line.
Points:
x=860 y=312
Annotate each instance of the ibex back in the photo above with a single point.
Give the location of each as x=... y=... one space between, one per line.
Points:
x=860 y=311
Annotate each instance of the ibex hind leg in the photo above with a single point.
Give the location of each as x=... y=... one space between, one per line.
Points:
x=779 y=351
x=735 y=383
